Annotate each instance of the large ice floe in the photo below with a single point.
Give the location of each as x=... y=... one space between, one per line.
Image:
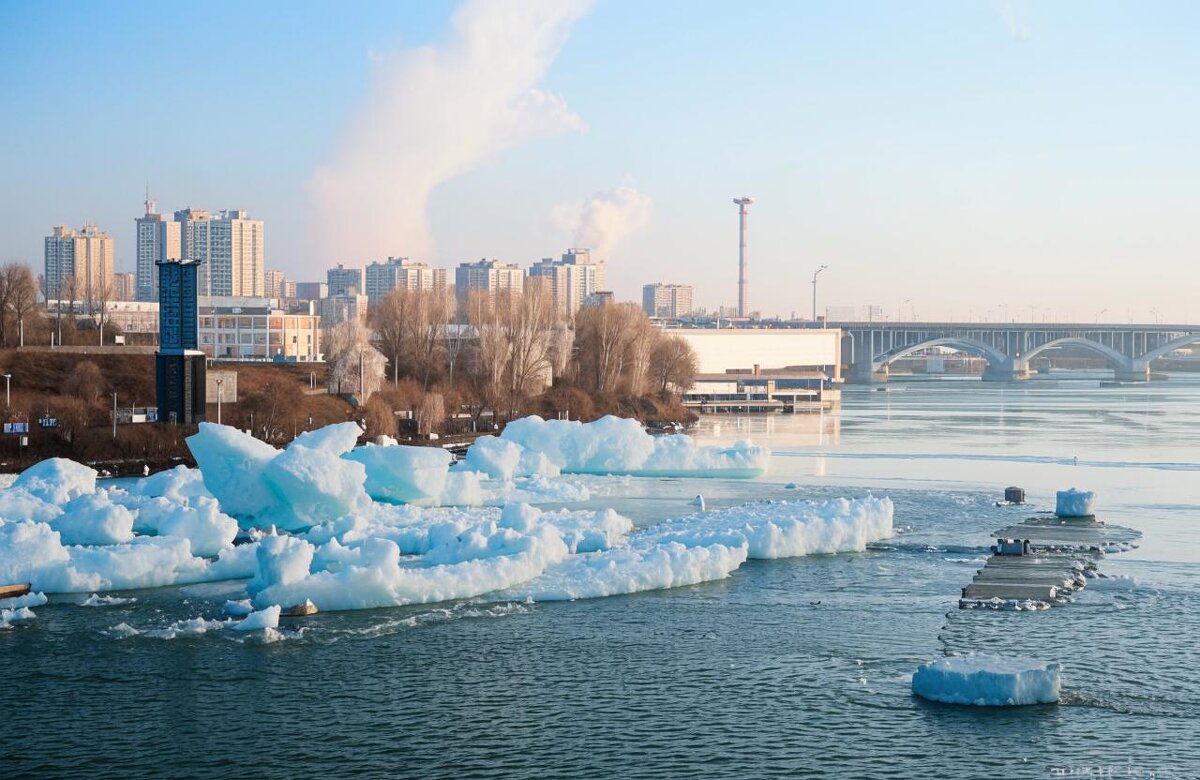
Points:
x=988 y=680
x=353 y=527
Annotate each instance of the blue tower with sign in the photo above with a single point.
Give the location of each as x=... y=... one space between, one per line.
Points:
x=179 y=364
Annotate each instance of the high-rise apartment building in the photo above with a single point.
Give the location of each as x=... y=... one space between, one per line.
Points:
x=337 y=309
x=157 y=242
x=397 y=272
x=344 y=281
x=86 y=255
x=491 y=276
x=584 y=257
x=230 y=247
x=275 y=284
x=572 y=279
x=669 y=301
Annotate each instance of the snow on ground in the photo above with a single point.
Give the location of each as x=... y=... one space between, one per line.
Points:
x=988 y=680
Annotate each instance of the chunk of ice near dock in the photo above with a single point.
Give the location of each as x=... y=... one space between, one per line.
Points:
x=1075 y=503
x=988 y=680
x=387 y=525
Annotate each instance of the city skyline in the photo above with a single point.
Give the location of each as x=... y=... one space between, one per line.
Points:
x=965 y=157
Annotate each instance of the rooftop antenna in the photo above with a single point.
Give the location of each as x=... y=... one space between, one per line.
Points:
x=151 y=207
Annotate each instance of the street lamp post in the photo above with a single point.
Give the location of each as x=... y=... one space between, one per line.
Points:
x=7 y=396
x=814 y=284
x=219 y=381
x=114 y=416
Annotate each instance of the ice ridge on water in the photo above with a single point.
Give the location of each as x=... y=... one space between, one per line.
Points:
x=385 y=525
x=988 y=680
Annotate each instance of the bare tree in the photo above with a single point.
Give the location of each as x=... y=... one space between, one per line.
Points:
x=673 y=364
x=602 y=337
x=528 y=319
x=493 y=349
x=354 y=365
x=22 y=295
x=271 y=407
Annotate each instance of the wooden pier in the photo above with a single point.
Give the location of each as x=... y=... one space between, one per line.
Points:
x=1045 y=560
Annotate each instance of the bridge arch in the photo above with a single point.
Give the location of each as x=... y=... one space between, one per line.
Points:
x=1169 y=347
x=968 y=345
x=1115 y=359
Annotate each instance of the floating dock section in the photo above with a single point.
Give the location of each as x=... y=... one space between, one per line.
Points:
x=1043 y=561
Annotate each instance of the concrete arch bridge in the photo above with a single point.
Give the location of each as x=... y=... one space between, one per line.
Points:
x=869 y=348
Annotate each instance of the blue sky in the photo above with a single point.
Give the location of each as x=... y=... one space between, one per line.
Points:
x=967 y=156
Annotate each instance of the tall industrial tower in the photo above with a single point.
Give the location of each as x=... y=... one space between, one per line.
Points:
x=743 y=282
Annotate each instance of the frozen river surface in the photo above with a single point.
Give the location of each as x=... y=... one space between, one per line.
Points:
x=794 y=667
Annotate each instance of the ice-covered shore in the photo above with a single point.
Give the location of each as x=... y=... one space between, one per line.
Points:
x=351 y=527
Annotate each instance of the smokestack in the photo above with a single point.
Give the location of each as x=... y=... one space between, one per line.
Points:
x=743 y=281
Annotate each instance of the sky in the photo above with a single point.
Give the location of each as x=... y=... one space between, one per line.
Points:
x=946 y=159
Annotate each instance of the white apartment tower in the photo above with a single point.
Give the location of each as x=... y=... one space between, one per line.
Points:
x=157 y=241
x=668 y=301
x=398 y=272
x=230 y=248
x=87 y=255
x=572 y=279
x=491 y=276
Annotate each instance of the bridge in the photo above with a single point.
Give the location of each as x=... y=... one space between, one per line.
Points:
x=868 y=348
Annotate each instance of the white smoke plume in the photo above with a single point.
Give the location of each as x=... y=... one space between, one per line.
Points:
x=604 y=219
x=433 y=113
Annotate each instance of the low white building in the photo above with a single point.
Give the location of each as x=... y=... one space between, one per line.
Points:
x=747 y=350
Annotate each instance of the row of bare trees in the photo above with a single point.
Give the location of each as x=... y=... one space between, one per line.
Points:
x=498 y=350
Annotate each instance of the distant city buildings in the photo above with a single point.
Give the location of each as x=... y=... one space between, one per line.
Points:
x=400 y=272
x=847 y=313
x=572 y=279
x=229 y=247
x=490 y=276
x=343 y=280
x=667 y=301
x=84 y=255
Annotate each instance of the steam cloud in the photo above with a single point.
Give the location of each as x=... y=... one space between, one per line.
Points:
x=436 y=112
x=603 y=220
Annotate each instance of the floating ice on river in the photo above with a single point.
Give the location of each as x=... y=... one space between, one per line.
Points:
x=1075 y=503
x=988 y=680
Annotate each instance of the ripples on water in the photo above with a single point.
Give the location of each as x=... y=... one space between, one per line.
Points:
x=789 y=668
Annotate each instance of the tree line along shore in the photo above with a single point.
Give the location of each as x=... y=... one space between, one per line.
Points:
x=423 y=362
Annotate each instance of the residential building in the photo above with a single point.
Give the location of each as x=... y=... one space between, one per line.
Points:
x=310 y=291
x=572 y=279
x=86 y=255
x=667 y=301
x=336 y=309
x=344 y=281
x=230 y=248
x=584 y=257
x=158 y=241
x=397 y=272
x=491 y=276
x=275 y=284
x=124 y=287
x=287 y=290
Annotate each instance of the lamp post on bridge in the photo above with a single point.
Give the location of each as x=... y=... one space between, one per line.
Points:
x=814 y=284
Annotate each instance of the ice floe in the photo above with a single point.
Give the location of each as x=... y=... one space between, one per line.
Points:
x=988 y=680
x=1075 y=503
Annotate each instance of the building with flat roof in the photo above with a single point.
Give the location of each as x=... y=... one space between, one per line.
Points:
x=310 y=291
x=667 y=301
x=337 y=309
x=86 y=256
x=573 y=279
x=158 y=241
x=230 y=247
x=489 y=276
x=400 y=272
x=344 y=281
